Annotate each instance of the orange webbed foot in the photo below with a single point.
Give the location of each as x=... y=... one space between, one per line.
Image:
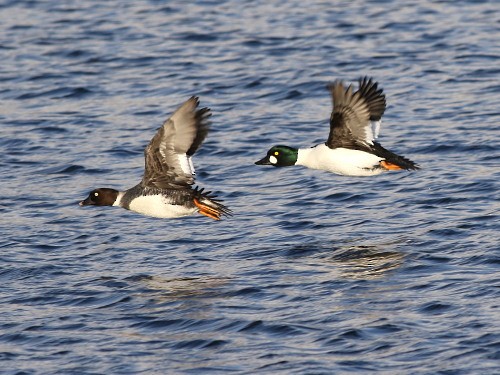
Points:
x=207 y=210
x=389 y=166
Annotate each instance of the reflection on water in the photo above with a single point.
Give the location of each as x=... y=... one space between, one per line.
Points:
x=353 y=261
x=183 y=287
x=366 y=262
x=320 y=280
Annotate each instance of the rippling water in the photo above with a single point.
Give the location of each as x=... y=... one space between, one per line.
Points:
x=316 y=273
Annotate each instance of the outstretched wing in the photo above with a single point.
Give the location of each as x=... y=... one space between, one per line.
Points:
x=375 y=99
x=356 y=117
x=168 y=156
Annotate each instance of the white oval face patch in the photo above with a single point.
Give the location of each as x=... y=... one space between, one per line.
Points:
x=273 y=159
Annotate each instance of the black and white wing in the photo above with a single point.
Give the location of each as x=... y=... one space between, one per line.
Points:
x=356 y=117
x=375 y=99
x=168 y=156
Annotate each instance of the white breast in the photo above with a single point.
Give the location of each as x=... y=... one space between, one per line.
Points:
x=341 y=161
x=159 y=206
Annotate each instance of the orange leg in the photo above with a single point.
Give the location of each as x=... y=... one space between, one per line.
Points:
x=206 y=210
x=390 y=166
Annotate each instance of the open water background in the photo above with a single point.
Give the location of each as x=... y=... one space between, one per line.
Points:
x=315 y=273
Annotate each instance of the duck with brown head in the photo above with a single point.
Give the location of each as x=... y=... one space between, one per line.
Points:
x=166 y=189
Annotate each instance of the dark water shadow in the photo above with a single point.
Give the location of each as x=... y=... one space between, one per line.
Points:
x=366 y=261
x=362 y=262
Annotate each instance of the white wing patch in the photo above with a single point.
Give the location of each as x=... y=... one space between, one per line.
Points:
x=375 y=125
x=372 y=131
x=191 y=166
x=186 y=164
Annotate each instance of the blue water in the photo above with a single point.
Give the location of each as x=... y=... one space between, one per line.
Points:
x=315 y=273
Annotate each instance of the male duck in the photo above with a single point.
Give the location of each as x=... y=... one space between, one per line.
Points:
x=350 y=149
x=166 y=187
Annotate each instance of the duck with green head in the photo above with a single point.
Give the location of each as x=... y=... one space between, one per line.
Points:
x=350 y=149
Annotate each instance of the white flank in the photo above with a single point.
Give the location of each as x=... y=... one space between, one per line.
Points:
x=159 y=206
x=341 y=161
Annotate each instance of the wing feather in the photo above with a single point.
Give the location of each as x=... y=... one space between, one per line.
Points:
x=356 y=117
x=167 y=156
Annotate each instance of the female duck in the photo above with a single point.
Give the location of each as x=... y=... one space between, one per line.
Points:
x=166 y=187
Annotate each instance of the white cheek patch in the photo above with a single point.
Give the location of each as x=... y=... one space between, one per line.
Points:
x=273 y=159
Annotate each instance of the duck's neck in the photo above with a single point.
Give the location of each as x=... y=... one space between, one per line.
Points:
x=118 y=199
x=303 y=156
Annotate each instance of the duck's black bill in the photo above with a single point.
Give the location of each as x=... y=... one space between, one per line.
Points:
x=86 y=202
x=264 y=161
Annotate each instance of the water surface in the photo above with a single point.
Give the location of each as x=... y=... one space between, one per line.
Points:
x=315 y=273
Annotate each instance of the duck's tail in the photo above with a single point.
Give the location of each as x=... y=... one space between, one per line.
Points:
x=393 y=161
x=209 y=205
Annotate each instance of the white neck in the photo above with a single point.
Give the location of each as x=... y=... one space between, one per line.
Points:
x=303 y=155
x=118 y=199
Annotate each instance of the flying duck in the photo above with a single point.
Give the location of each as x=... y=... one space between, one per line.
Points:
x=350 y=149
x=166 y=189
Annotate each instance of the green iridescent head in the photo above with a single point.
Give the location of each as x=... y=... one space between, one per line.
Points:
x=280 y=156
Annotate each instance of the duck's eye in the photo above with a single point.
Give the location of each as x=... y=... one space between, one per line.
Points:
x=276 y=153
x=96 y=194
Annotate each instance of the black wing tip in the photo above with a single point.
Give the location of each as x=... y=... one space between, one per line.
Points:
x=394 y=158
x=373 y=96
x=365 y=80
x=195 y=99
x=203 y=110
x=406 y=163
x=413 y=166
x=200 y=112
x=202 y=118
x=369 y=86
x=368 y=81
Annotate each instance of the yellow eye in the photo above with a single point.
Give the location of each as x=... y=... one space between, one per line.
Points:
x=276 y=153
x=96 y=194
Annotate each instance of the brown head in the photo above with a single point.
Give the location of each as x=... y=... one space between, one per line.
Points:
x=100 y=197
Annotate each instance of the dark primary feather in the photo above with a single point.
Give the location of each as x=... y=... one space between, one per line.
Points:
x=181 y=134
x=375 y=99
x=349 y=116
x=201 y=118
